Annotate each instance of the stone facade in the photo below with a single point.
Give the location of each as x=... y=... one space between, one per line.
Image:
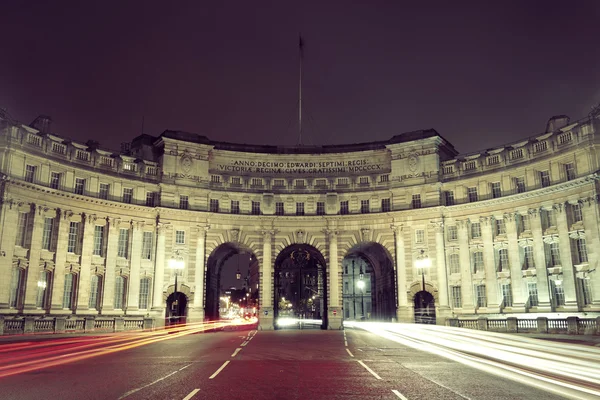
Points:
x=506 y=231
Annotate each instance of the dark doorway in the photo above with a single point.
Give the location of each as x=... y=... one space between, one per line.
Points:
x=176 y=309
x=424 y=308
x=300 y=293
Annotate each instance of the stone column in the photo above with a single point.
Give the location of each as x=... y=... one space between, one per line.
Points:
x=265 y=319
x=7 y=246
x=34 y=270
x=468 y=307
x=566 y=259
x=159 y=269
x=489 y=262
x=135 y=256
x=58 y=284
x=112 y=243
x=516 y=275
x=87 y=247
x=402 y=312
x=334 y=313
x=541 y=278
x=442 y=277
x=197 y=312
x=591 y=222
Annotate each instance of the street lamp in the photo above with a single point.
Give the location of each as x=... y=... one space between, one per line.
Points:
x=176 y=263
x=423 y=262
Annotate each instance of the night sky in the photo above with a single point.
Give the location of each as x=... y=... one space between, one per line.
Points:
x=480 y=74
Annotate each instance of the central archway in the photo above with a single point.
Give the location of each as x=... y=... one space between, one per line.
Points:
x=300 y=287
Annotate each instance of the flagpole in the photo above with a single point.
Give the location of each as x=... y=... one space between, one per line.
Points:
x=300 y=45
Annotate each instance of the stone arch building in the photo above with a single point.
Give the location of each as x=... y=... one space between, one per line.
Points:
x=508 y=230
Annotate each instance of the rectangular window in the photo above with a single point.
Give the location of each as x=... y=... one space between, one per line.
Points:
x=419 y=236
x=475 y=230
x=73 y=239
x=548 y=219
x=533 y=294
x=478 y=261
x=94 y=290
x=581 y=251
x=215 y=178
x=149 y=199
x=520 y=184
x=384 y=178
x=235 y=206
x=123 y=246
x=528 y=257
x=17 y=283
x=503 y=260
x=344 y=207
x=586 y=290
x=179 y=237
x=184 y=202
x=342 y=181
x=553 y=254
x=320 y=208
x=364 y=207
x=577 y=212
x=214 y=205
x=545 y=178
x=452 y=232
x=256 y=182
x=480 y=296
x=559 y=293
x=127 y=195
x=119 y=292
x=98 y=240
x=456 y=296
x=507 y=295
x=386 y=205
x=278 y=182
x=416 y=201
x=454 y=261
x=68 y=291
x=43 y=290
x=570 y=171
x=299 y=208
x=496 y=190
x=321 y=183
x=300 y=184
x=472 y=194
x=235 y=180
x=147 y=245
x=449 y=198
x=47 y=233
x=279 y=209
x=79 y=186
x=525 y=224
x=363 y=180
x=144 y=293
x=21 y=229
x=29 y=173
x=256 y=208
x=500 y=227
x=54 y=180
x=103 y=192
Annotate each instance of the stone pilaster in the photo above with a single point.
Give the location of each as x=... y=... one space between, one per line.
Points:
x=516 y=274
x=159 y=268
x=34 y=270
x=489 y=262
x=591 y=217
x=197 y=312
x=334 y=314
x=112 y=243
x=7 y=247
x=541 y=277
x=442 y=274
x=58 y=285
x=402 y=312
x=135 y=256
x=566 y=259
x=265 y=318
x=468 y=307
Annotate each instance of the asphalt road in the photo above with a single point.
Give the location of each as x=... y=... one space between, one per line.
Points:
x=242 y=364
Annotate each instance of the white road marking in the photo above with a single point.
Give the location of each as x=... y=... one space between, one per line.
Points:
x=192 y=393
x=369 y=369
x=152 y=383
x=351 y=355
x=244 y=344
x=236 y=351
x=219 y=370
x=397 y=393
x=346 y=343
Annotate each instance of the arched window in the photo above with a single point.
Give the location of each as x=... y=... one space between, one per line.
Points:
x=144 y=293
x=43 y=294
x=120 y=292
x=17 y=286
x=69 y=293
x=95 y=288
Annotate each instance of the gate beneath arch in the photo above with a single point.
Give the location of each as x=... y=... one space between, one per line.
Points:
x=424 y=308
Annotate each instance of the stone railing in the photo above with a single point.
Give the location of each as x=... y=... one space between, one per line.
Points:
x=569 y=325
x=43 y=325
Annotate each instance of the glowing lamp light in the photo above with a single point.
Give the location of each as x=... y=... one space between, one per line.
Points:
x=42 y=284
x=361 y=284
x=176 y=264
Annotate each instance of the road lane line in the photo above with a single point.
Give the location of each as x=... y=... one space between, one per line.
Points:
x=351 y=355
x=397 y=393
x=152 y=383
x=244 y=344
x=369 y=369
x=219 y=370
x=236 y=351
x=346 y=343
x=192 y=393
